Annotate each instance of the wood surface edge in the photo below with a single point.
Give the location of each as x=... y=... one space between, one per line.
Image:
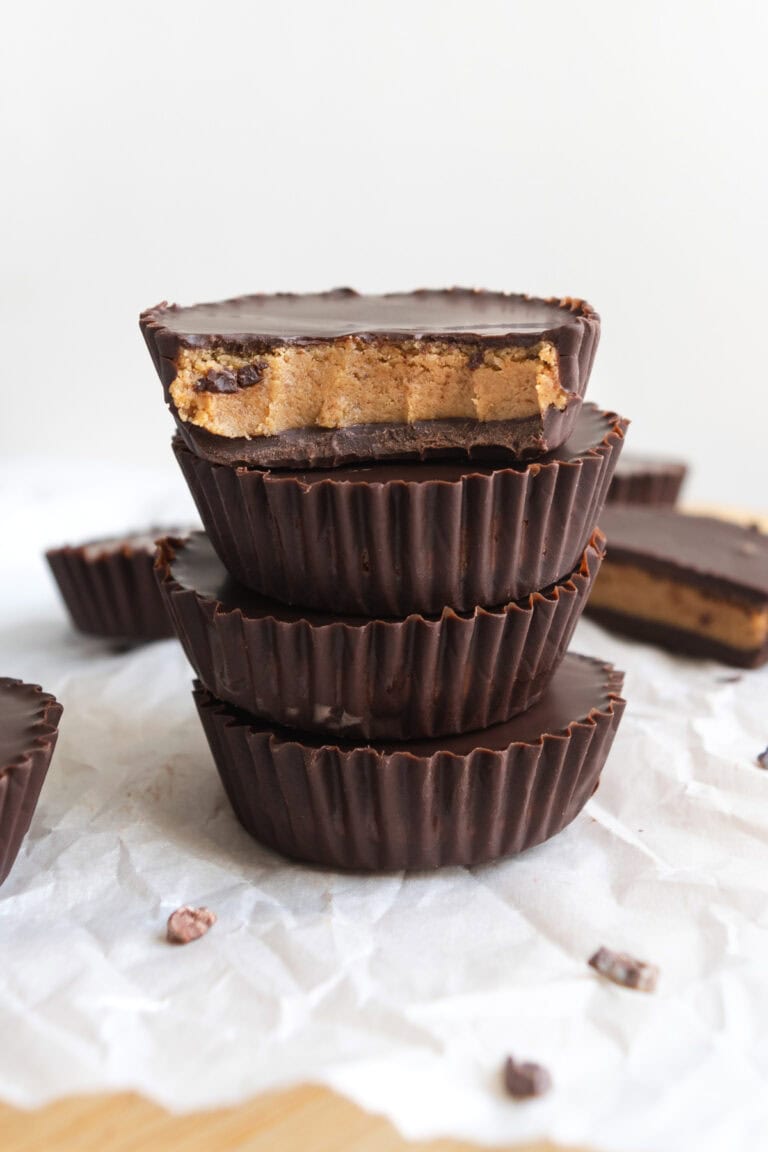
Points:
x=309 y=1118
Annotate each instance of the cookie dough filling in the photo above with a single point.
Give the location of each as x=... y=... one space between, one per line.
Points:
x=646 y=596
x=693 y=584
x=352 y=382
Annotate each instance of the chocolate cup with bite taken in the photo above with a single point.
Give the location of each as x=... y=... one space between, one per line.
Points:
x=321 y=380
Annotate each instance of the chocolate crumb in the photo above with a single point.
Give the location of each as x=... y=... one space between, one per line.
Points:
x=762 y=759
x=625 y=970
x=526 y=1080
x=251 y=374
x=729 y=679
x=187 y=924
x=221 y=380
x=476 y=359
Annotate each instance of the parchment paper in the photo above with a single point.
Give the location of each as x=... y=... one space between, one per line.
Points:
x=405 y=993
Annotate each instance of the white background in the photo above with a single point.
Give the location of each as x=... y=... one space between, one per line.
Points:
x=189 y=149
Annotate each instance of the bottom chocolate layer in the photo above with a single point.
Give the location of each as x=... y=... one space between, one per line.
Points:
x=522 y=439
x=29 y=721
x=677 y=640
x=463 y=800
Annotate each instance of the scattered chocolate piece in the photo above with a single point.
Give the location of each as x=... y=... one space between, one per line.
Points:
x=187 y=924
x=686 y=583
x=251 y=374
x=729 y=679
x=625 y=970
x=526 y=1080
x=762 y=758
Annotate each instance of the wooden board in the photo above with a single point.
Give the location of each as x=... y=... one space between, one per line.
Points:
x=306 y=1119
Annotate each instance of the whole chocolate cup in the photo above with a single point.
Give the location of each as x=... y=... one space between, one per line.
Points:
x=112 y=593
x=399 y=679
x=463 y=800
x=647 y=481
x=392 y=539
x=29 y=721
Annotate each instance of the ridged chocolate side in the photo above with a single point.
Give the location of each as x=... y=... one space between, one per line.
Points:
x=114 y=595
x=392 y=548
x=401 y=679
x=659 y=489
x=678 y=640
x=21 y=780
x=351 y=807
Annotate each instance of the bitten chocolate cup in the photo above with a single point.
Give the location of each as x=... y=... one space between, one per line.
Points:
x=392 y=539
x=399 y=679
x=325 y=379
x=109 y=586
x=29 y=720
x=463 y=800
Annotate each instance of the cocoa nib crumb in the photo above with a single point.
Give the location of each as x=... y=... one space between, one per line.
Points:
x=217 y=380
x=187 y=924
x=762 y=759
x=251 y=374
x=224 y=380
x=625 y=970
x=525 y=1080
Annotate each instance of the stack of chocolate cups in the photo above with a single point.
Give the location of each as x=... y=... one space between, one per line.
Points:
x=380 y=610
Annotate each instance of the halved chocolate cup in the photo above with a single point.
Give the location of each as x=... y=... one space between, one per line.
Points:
x=29 y=720
x=109 y=586
x=392 y=539
x=390 y=678
x=453 y=800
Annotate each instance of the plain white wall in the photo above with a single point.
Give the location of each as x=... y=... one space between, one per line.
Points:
x=189 y=149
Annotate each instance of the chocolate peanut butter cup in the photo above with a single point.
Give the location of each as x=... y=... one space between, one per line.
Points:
x=303 y=381
x=395 y=538
x=648 y=480
x=694 y=584
x=401 y=679
x=29 y=720
x=109 y=586
x=388 y=806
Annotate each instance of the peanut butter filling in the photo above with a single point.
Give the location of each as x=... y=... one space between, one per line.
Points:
x=644 y=595
x=351 y=382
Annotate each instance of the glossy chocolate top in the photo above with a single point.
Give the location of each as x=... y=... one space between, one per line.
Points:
x=453 y=314
x=700 y=549
x=27 y=716
x=580 y=687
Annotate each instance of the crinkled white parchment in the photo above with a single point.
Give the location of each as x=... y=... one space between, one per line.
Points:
x=405 y=993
